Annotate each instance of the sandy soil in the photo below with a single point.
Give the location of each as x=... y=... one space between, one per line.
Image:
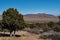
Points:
x=25 y=36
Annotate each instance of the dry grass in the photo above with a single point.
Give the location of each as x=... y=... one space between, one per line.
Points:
x=16 y=38
x=9 y=38
x=39 y=20
x=25 y=36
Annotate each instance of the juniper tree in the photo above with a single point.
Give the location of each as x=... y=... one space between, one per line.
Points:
x=12 y=20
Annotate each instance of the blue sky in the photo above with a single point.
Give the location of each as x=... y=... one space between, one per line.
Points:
x=32 y=6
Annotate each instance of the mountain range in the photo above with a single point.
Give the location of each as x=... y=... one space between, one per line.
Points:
x=40 y=18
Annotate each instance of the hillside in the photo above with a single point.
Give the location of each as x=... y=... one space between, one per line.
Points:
x=40 y=18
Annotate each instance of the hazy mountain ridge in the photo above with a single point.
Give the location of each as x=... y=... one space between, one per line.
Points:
x=40 y=15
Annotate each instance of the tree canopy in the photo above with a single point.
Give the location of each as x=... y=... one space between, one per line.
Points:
x=12 y=20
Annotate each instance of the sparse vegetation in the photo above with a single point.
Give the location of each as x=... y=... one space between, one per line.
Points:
x=13 y=21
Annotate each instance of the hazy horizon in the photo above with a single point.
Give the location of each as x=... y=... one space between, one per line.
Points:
x=32 y=6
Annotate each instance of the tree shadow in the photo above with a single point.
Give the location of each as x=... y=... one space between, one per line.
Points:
x=8 y=35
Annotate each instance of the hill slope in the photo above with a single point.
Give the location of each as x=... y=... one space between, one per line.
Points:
x=40 y=18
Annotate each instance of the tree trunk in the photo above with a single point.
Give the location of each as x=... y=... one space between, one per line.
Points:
x=14 y=33
x=10 y=33
x=4 y=32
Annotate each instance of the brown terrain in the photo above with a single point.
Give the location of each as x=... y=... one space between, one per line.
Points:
x=31 y=18
x=24 y=36
x=40 y=18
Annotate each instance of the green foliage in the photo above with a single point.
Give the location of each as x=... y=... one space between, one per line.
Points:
x=31 y=26
x=0 y=25
x=51 y=24
x=38 y=25
x=12 y=20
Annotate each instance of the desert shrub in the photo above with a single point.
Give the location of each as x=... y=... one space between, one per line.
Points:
x=56 y=28
x=45 y=37
x=51 y=24
x=56 y=37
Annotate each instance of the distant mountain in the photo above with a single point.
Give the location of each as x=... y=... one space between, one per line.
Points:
x=40 y=15
x=40 y=18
